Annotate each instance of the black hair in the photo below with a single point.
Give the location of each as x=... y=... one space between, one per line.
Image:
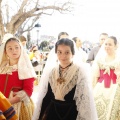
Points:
x=62 y=33
x=104 y=34
x=75 y=39
x=114 y=39
x=67 y=42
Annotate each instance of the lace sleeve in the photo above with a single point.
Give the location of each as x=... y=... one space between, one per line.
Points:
x=84 y=97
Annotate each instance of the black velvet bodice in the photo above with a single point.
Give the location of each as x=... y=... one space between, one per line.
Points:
x=59 y=110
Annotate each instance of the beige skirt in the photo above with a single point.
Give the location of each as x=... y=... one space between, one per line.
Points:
x=107 y=101
x=23 y=111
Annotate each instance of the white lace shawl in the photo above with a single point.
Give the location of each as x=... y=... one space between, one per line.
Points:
x=70 y=76
x=83 y=95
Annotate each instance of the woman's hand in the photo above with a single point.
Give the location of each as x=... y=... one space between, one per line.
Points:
x=14 y=100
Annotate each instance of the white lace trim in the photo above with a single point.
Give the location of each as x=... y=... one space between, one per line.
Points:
x=22 y=95
x=6 y=68
x=102 y=64
x=84 y=96
x=115 y=64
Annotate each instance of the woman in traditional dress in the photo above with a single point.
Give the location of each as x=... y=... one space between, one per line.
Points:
x=52 y=58
x=16 y=76
x=65 y=91
x=106 y=82
x=81 y=52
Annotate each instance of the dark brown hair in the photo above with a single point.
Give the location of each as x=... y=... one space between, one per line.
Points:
x=67 y=42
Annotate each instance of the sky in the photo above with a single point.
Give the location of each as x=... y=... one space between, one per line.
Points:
x=89 y=19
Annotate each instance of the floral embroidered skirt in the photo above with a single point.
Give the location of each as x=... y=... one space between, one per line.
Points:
x=107 y=101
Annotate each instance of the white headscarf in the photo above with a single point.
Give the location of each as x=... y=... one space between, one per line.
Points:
x=25 y=68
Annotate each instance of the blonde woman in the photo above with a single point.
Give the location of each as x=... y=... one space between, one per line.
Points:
x=16 y=76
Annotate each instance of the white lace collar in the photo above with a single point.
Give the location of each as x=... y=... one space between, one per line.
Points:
x=7 y=69
x=108 y=65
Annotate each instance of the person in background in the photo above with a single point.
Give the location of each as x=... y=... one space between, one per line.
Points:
x=65 y=91
x=23 y=40
x=106 y=80
x=82 y=53
x=94 y=51
x=32 y=51
x=16 y=76
x=52 y=58
x=45 y=58
x=63 y=35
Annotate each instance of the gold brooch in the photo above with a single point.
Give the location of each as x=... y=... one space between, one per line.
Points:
x=60 y=80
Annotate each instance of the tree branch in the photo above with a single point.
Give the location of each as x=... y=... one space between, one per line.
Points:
x=36 y=11
x=2 y=31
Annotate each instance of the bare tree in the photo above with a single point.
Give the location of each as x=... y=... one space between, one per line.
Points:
x=15 y=14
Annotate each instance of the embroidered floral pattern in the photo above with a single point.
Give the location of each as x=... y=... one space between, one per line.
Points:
x=102 y=106
x=108 y=99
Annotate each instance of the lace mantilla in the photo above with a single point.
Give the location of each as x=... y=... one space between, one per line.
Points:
x=84 y=96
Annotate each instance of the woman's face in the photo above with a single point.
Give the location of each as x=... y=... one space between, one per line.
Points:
x=13 y=49
x=78 y=43
x=102 y=39
x=64 y=54
x=110 y=46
